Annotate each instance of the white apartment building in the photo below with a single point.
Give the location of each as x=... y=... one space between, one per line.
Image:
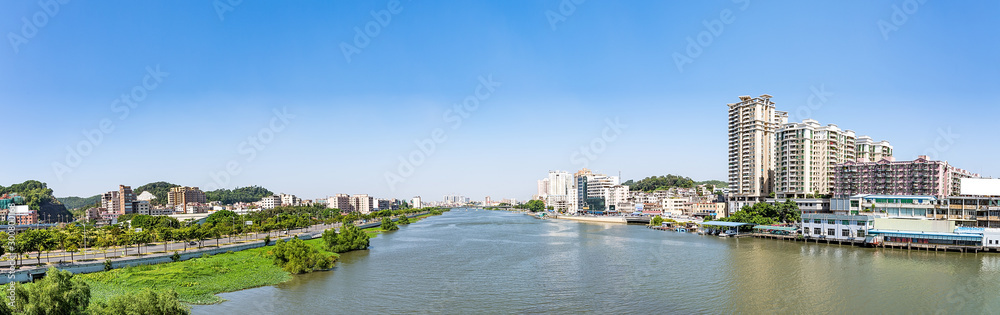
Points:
x=362 y=203
x=290 y=200
x=872 y=151
x=415 y=203
x=340 y=201
x=560 y=190
x=752 y=125
x=270 y=202
x=676 y=206
x=807 y=154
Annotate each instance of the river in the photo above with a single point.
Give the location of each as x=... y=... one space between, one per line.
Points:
x=471 y=262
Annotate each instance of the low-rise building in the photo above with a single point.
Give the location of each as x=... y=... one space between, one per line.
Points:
x=715 y=209
x=837 y=226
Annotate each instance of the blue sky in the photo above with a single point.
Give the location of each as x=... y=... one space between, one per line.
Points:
x=928 y=70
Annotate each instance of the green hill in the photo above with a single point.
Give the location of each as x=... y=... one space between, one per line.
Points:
x=240 y=194
x=158 y=189
x=72 y=203
x=39 y=197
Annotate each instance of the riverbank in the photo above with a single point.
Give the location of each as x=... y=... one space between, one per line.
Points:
x=593 y=219
x=198 y=280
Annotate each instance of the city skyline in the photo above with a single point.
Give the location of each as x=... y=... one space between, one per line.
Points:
x=546 y=83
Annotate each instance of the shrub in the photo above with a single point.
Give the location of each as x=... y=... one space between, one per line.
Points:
x=175 y=257
x=107 y=265
x=350 y=238
x=388 y=225
x=295 y=256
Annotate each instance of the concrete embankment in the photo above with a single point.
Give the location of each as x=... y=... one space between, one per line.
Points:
x=593 y=219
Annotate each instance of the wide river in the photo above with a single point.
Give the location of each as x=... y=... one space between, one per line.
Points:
x=472 y=262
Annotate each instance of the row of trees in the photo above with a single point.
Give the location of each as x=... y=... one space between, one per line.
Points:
x=296 y=257
x=79 y=236
x=60 y=293
x=532 y=205
x=767 y=214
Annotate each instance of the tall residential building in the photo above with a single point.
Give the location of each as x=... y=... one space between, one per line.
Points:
x=180 y=196
x=415 y=203
x=362 y=203
x=807 y=154
x=872 y=151
x=543 y=187
x=126 y=199
x=597 y=192
x=340 y=201
x=111 y=202
x=560 y=192
x=920 y=177
x=752 y=125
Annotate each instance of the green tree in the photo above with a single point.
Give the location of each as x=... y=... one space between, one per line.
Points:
x=535 y=205
x=295 y=256
x=403 y=220
x=146 y=301
x=656 y=221
x=350 y=238
x=388 y=225
x=57 y=293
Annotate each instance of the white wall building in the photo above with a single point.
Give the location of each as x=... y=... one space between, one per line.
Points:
x=270 y=202
x=415 y=203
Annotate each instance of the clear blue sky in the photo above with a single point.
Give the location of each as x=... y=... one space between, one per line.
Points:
x=936 y=70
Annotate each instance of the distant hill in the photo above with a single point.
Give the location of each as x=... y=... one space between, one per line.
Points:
x=158 y=189
x=654 y=183
x=716 y=183
x=243 y=194
x=39 y=197
x=72 y=203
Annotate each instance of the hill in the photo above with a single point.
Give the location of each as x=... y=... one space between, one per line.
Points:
x=244 y=194
x=653 y=183
x=39 y=197
x=158 y=189
x=72 y=203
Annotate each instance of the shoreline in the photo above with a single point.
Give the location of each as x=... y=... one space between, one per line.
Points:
x=198 y=281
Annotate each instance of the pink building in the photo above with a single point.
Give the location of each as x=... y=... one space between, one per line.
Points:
x=920 y=177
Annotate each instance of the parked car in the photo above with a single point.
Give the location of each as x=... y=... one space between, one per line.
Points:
x=193 y=243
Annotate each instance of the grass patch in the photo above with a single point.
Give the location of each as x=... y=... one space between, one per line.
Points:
x=196 y=280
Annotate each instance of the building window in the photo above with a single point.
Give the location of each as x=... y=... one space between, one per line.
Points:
x=861 y=233
x=817 y=231
x=816 y=221
x=845 y=222
x=861 y=223
x=829 y=232
x=831 y=221
x=845 y=232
